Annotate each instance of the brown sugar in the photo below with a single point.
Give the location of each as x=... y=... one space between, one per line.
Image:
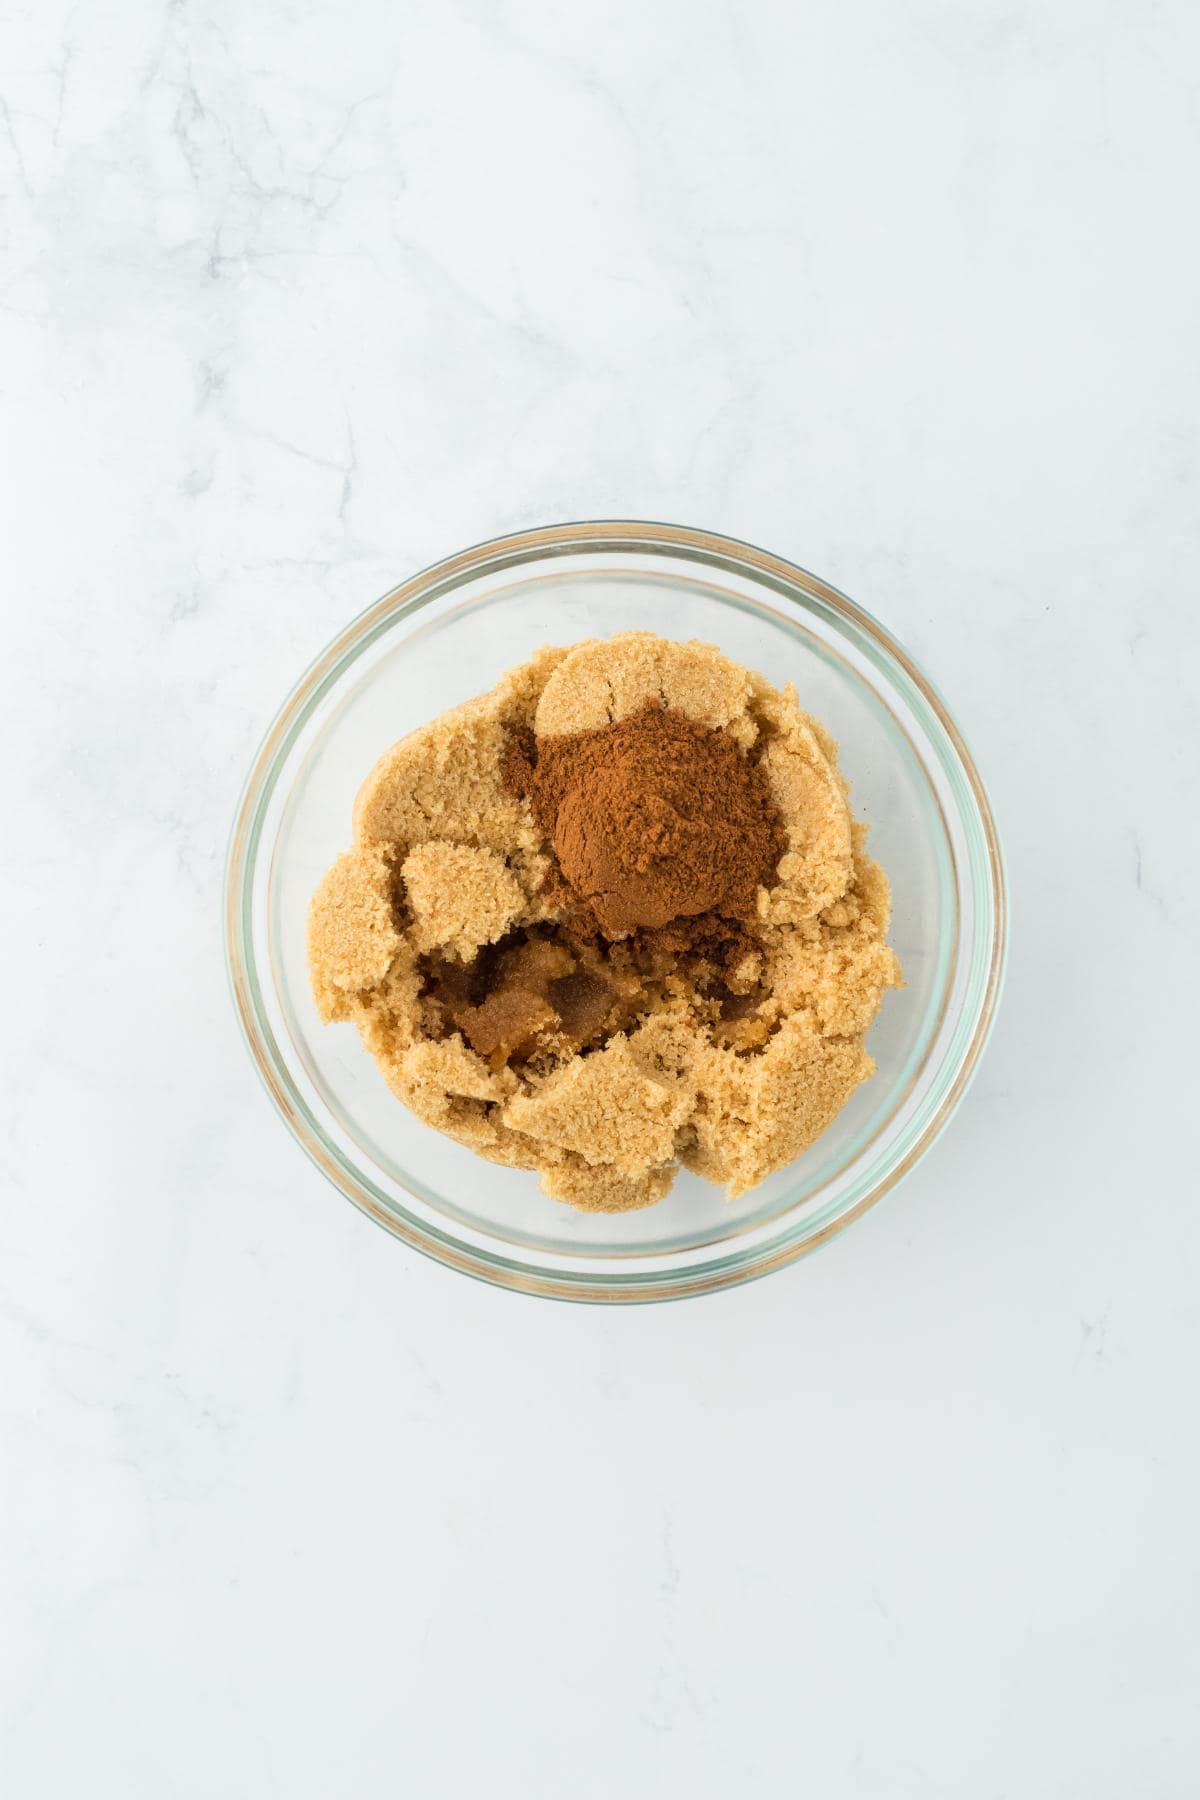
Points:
x=611 y=918
x=654 y=818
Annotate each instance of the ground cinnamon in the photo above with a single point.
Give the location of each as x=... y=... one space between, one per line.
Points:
x=653 y=819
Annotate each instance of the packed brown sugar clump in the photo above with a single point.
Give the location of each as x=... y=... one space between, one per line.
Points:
x=611 y=918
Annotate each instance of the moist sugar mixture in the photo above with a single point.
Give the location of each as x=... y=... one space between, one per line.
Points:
x=612 y=918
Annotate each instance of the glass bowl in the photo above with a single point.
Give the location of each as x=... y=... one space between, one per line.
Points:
x=450 y=633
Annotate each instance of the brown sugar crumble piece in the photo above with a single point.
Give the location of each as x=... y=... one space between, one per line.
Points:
x=610 y=918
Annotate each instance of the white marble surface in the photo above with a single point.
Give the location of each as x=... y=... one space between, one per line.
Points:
x=296 y=299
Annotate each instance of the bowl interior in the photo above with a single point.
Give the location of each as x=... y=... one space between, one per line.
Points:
x=419 y=663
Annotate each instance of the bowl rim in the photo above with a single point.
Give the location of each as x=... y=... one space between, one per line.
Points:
x=512 y=549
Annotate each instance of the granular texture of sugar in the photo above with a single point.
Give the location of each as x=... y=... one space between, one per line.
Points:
x=509 y=1001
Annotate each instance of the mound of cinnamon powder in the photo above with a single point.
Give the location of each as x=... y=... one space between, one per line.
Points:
x=653 y=818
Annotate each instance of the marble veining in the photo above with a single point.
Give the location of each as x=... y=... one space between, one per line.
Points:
x=295 y=300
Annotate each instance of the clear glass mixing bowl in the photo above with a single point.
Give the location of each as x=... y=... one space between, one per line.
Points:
x=450 y=633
